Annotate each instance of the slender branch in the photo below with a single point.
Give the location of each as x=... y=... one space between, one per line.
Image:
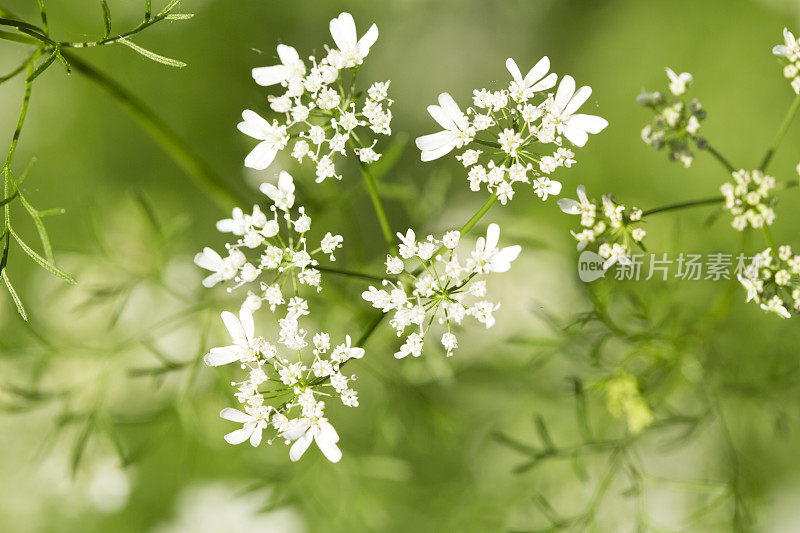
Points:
x=372 y=189
x=719 y=157
x=683 y=205
x=787 y=121
x=201 y=174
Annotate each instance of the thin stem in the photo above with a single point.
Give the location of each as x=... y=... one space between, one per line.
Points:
x=683 y=205
x=787 y=121
x=768 y=237
x=203 y=176
x=719 y=157
x=372 y=189
x=466 y=228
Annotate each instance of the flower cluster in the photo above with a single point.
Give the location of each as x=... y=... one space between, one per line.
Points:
x=514 y=135
x=320 y=118
x=299 y=417
x=748 y=198
x=676 y=123
x=608 y=224
x=440 y=287
x=790 y=51
x=277 y=256
x=774 y=281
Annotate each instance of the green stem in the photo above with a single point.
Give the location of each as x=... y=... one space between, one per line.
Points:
x=201 y=174
x=719 y=157
x=787 y=121
x=683 y=205
x=372 y=189
x=768 y=238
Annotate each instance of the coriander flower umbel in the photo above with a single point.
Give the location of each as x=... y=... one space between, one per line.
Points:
x=606 y=225
x=263 y=252
x=748 y=199
x=443 y=287
x=294 y=411
x=773 y=281
x=321 y=114
x=790 y=51
x=676 y=123
x=516 y=134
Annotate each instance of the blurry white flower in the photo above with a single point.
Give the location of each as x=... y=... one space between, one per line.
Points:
x=678 y=82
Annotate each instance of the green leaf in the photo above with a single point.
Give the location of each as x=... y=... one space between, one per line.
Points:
x=152 y=55
x=106 y=18
x=43 y=66
x=42 y=262
x=14 y=296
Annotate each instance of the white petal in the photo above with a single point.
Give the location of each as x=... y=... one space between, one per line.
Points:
x=253 y=125
x=255 y=438
x=538 y=71
x=436 y=145
x=366 y=42
x=505 y=256
x=547 y=83
x=513 y=69
x=239 y=436
x=441 y=117
x=208 y=259
x=210 y=281
x=343 y=31
x=261 y=156
x=234 y=415
x=569 y=206
x=565 y=91
x=326 y=440
x=576 y=136
x=266 y=76
x=222 y=356
x=296 y=429
x=246 y=318
x=234 y=328
x=492 y=236
x=288 y=54
x=299 y=447
x=588 y=123
x=581 y=95
x=450 y=107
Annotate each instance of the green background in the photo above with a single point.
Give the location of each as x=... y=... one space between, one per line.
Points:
x=421 y=452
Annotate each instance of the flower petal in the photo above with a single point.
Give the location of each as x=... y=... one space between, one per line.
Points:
x=261 y=156
x=234 y=415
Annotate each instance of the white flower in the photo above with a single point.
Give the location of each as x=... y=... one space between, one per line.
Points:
x=253 y=425
x=394 y=265
x=775 y=305
x=544 y=186
x=678 y=82
x=450 y=343
x=352 y=50
x=524 y=88
x=291 y=67
x=489 y=257
x=791 y=48
x=303 y=431
x=272 y=136
x=282 y=195
x=567 y=101
x=451 y=238
x=455 y=134
x=223 y=269
x=242 y=331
